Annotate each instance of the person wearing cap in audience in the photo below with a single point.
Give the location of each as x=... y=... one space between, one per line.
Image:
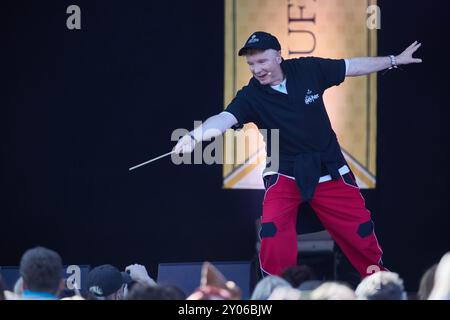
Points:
x=307 y=164
x=106 y=282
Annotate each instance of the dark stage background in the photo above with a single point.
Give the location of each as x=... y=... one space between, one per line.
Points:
x=78 y=108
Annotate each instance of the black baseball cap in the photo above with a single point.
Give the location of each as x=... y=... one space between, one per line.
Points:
x=260 y=40
x=106 y=279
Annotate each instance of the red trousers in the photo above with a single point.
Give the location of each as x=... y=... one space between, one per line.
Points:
x=340 y=207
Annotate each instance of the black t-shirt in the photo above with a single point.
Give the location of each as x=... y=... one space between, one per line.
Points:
x=307 y=139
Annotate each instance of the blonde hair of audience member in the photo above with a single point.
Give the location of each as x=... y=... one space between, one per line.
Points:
x=11 y=295
x=285 y=293
x=382 y=285
x=333 y=291
x=17 y=292
x=441 y=288
x=267 y=285
x=18 y=287
x=426 y=283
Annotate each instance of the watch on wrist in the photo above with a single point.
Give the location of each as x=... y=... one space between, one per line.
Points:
x=393 y=62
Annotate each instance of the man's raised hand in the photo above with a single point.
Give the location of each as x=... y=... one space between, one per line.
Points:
x=406 y=57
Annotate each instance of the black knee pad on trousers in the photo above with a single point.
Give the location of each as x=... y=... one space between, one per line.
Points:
x=268 y=230
x=365 y=229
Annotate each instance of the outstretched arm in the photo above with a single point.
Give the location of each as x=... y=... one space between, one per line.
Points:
x=212 y=127
x=366 y=65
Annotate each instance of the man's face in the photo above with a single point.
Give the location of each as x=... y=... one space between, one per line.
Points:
x=265 y=65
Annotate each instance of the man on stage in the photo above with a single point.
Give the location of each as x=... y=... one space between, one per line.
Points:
x=287 y=95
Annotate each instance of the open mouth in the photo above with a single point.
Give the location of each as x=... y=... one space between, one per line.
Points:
x=262 y=77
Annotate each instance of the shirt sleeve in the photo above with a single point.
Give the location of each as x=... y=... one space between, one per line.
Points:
x=241 y=108
x=331 y=71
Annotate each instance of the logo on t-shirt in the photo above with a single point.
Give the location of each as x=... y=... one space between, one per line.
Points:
x=310 y=97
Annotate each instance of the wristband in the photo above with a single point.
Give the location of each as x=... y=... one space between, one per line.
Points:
x=393 y=62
